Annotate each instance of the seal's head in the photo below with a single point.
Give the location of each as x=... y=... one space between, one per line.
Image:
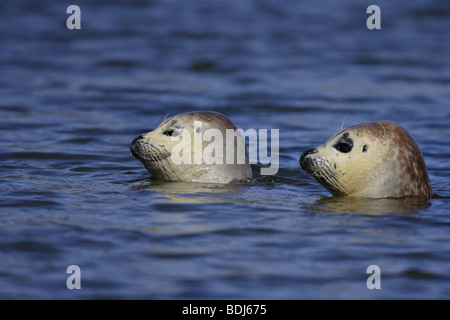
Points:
x=371 y=159
x=193 y=147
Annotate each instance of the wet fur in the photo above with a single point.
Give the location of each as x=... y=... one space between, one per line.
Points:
x=384 y=161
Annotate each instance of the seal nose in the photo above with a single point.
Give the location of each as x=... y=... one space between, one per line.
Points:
x=136 y=139
x=306 y=153
x=133 y=145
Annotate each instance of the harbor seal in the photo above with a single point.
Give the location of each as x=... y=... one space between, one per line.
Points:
x=179 y=149
x=377 y=159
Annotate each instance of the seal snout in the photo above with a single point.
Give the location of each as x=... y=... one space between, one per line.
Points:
x=303 y=161
x=133 y=144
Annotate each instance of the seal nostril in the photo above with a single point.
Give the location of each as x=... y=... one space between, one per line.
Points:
x=311 y=151
x=306 y=153
x=137 y=139
x=305 y=163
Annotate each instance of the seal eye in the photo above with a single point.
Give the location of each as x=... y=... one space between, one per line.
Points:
x=344 y=144
x=344 y=147
x=168 y=132
x=365 y=148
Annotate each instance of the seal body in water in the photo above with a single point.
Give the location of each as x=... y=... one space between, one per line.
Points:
x=377 y=159
x=193 y=147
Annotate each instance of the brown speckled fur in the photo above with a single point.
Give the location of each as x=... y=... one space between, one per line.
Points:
x=397 y=160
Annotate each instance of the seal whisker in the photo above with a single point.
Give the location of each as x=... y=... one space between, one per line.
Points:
x=330 y=179
x=333 y=177
x=343 y=121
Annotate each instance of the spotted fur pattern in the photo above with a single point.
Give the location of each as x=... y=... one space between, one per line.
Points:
x=376 y=159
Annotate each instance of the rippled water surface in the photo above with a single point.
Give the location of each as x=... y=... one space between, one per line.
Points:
x=72 y=194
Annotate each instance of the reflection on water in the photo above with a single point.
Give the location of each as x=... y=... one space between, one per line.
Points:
x=192 y=192
x=366 y=206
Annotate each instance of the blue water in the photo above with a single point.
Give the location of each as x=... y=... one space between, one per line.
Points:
x=72 y=194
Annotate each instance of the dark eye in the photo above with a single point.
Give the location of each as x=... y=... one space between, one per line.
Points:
x=168 y=132
x=344 y=147
x=365 y=148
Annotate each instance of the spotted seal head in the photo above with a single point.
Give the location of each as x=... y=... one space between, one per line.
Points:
x=377 y=159
x=156 y=149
